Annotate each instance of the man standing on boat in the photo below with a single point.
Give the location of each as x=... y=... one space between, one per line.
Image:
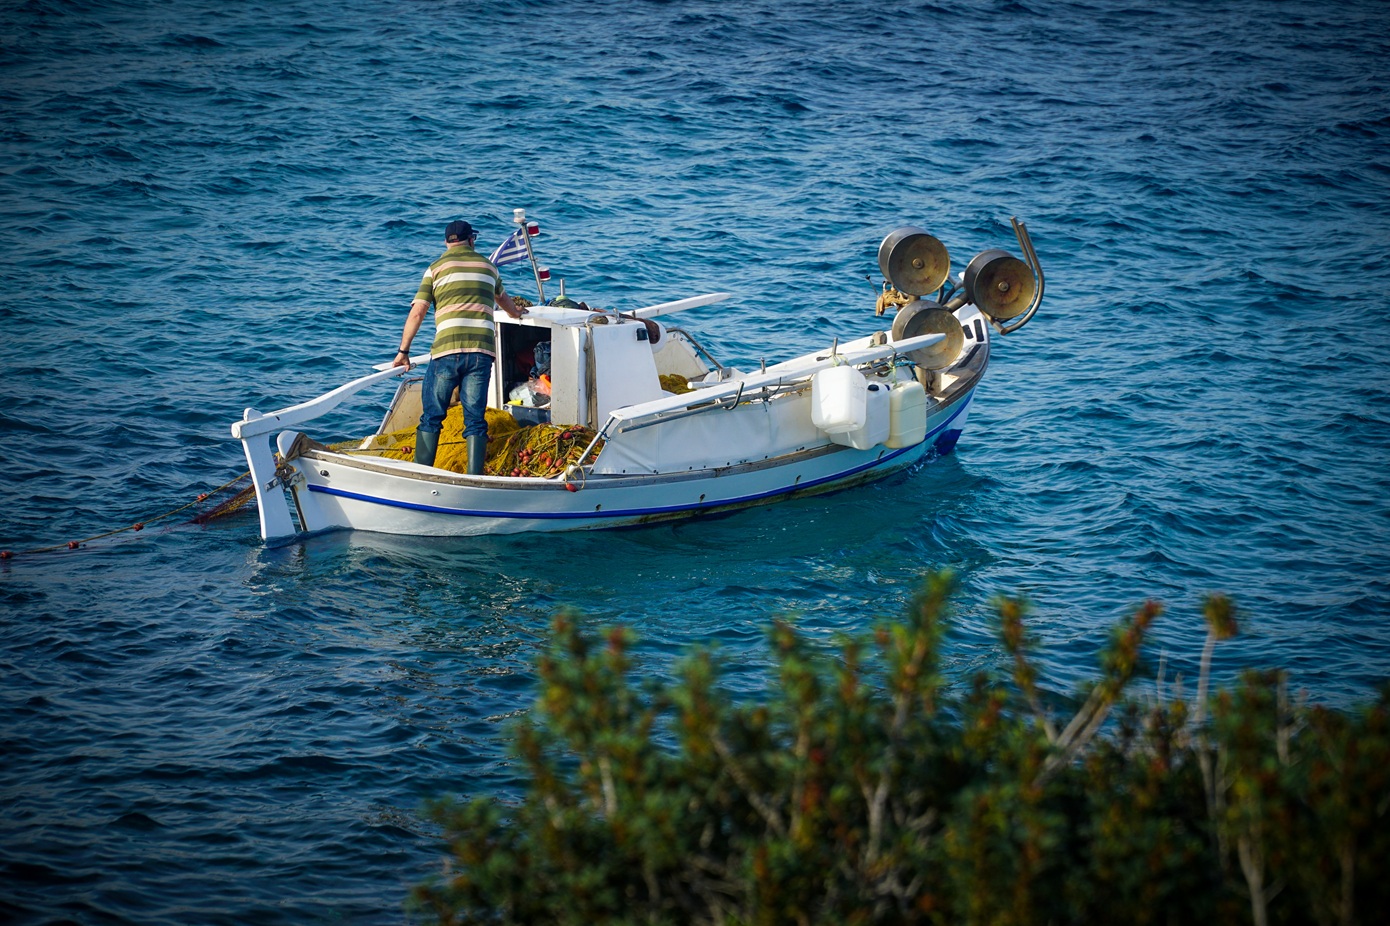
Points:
x=463 y=286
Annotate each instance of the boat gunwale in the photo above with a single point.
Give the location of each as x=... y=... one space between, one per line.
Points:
x=608 y=480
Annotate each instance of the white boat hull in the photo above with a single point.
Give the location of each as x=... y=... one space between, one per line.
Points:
x=336 y=491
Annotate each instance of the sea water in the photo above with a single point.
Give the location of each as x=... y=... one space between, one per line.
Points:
x=211 y=206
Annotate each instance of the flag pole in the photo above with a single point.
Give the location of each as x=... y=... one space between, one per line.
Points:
x=519 y=217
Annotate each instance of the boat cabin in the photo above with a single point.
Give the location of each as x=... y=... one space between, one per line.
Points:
x=562 y=365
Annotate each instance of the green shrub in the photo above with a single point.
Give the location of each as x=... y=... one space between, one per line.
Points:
x=864 y=790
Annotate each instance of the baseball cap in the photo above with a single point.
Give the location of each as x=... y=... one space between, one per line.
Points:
x=458 y=231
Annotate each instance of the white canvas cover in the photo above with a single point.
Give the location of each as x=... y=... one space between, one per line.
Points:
x=717 y=437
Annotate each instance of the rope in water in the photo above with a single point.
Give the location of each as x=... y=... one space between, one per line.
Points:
x=224 y=508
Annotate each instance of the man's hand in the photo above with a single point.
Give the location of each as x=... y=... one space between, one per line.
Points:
x=509 y=305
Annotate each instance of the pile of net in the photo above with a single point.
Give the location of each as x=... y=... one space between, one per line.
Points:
x=541 y=450
x=675 y=384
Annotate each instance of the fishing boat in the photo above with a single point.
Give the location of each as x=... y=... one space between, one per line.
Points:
x=639 y=423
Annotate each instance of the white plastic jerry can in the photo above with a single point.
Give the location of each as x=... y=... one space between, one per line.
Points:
x=876 y=420
x=839 y=399
x=907 y=415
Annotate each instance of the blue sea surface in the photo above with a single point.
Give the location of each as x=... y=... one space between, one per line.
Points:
x=209 y=206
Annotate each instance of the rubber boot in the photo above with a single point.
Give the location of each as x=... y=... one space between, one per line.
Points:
x=477 y=453
x=426 y=446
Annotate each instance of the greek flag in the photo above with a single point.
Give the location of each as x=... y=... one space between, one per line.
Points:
x=511 y=250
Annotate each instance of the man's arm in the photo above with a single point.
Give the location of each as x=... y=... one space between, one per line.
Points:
x=510 y=307
x=413 y=321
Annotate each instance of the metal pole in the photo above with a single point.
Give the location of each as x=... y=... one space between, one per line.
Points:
x=1025 y=243
x=519 y=217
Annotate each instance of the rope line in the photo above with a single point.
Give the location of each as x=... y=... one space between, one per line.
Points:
x=222 y=509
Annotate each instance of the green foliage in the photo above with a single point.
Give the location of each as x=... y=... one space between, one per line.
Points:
x=864 y=791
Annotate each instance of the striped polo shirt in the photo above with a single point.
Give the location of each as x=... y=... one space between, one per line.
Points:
x=462 y=285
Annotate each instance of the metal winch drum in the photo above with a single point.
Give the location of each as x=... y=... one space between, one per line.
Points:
x=913 y=261
x=919 y=318
x=999 y=284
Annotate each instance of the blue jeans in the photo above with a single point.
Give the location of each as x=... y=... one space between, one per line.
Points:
x=470 y=373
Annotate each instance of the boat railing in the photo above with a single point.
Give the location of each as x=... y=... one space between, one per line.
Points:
x=699 y=348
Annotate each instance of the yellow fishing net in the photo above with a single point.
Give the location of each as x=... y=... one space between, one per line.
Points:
x=674 y=383
x=512 y=450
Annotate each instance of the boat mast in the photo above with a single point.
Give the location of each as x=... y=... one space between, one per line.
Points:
x=542 y=273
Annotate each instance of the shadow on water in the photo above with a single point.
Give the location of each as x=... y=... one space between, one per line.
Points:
x=837 y=562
